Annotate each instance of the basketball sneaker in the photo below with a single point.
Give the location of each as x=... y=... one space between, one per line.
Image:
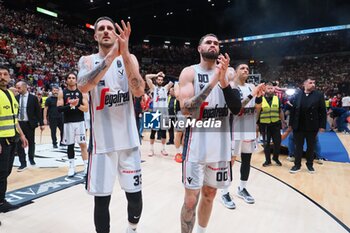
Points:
x=227 y=201
x=245 y=196
x=151 y=153
x=71 y=172
x=164 y=152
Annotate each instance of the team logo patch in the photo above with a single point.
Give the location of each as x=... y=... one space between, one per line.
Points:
x=151 y=120
x=119 y=63
x=189 y=179
x=102 y=83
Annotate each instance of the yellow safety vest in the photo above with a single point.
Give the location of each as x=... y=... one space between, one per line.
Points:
x=8 y=115
x=270 y=114
x=175 y=103
x=327 y=103
x=43 y=101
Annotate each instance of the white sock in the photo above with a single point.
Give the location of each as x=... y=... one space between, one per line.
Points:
x=85 y=163
x=152 y=147
x=224 y=191
x=179 y=150
x=163 y=146
x=243 y=184
x=132 y=227
x=201 y=229
x=71 y=163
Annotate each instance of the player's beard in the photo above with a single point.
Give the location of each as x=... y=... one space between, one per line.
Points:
x=210 y=55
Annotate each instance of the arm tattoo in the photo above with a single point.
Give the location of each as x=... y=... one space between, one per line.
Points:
x=91 y=75
x=188 y=217
x=193 y=104
x=245 y=102
x=134 y=83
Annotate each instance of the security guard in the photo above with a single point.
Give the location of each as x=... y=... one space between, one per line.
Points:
x=9 y=131
x=271 y=116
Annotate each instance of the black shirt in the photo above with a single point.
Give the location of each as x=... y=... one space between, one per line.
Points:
x=52 y=110
x=171 y=106
x=73 y=115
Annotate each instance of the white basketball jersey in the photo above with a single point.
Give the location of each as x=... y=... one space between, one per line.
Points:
x=160 y=99
x=244 y=123
x=209 y=145
x=112 y=110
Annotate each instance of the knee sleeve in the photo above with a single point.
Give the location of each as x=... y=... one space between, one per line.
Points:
x=134 y=206
x=153 y=134
x=163 y=134
x=101 y=214
x=70 y=151
x=245 y=166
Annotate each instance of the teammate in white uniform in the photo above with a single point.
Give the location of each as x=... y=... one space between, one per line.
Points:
x=205 y=167
x=244 y=131
x=112 y=77
x=160 y=103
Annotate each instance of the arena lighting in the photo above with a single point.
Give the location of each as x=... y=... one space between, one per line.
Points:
x=90 y=26
x=166 y=42
x=291 y=33
x=290 y=92
x=146 y=41
x=46 y=12
x=187 y=43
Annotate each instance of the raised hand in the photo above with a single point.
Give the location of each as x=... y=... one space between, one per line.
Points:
x=259 y=90
x=161 y=74
x=123 y=37
x=222 y=66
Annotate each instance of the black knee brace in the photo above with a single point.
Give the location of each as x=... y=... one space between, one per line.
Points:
x=134 y=206
x=245 y=166
x=153 y=134
x=70 y=151
x=101 y=214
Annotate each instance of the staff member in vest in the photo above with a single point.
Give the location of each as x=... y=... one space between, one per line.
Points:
x=112 y=77
x=271 y=116
x=9 y=128
x=73 y=104
x=29 y=118
x=160 y=97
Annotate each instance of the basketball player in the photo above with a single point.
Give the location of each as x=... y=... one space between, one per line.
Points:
x=205 y=167
x=112 y=77
x=244 y=131
x=73 y=104
x=160 y=103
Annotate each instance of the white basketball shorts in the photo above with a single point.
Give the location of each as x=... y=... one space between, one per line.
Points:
x=104 y=168
x=74 y=132
x=216 y=175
